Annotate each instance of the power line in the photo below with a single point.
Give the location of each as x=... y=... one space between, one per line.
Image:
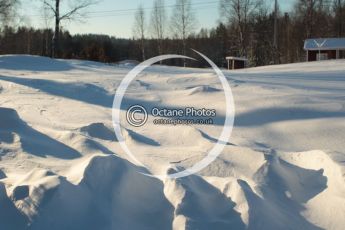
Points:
x=128 y=14
x=151 y=8
x=130 y=11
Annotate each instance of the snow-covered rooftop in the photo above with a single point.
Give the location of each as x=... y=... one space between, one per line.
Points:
x=325 y=44
x=237 y=58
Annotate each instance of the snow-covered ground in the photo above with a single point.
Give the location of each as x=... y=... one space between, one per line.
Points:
x=62 y=168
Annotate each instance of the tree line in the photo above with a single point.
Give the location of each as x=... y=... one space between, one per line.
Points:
x=246 y=29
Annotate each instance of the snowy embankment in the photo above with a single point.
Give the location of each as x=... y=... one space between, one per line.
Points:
x=61 y=166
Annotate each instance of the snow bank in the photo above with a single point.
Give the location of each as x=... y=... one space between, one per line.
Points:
x=61 y=166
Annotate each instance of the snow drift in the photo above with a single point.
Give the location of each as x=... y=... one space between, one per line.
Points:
x=61 y=166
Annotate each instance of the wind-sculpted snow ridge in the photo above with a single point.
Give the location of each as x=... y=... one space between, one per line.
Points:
x=99 y=201
x=113 y=194
x=61 y=165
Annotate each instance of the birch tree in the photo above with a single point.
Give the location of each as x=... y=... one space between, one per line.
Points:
x=158 y=22
x=183 y=22
x=139 y=29
x=238 y=13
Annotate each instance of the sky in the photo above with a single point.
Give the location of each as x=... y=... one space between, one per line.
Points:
x=116 y=17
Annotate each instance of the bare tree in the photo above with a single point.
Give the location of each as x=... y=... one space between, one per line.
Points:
x=276 y=55
x=238 y=13
x=6 y=8
x=47 y=24
x=305 y=10
x=310 y=11
x=139 y=29
x=339 y=6
x=74 y=10
x=158 y=22
x=314 y=14
x=183 y=22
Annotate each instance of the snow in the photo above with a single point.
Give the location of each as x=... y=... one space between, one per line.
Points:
x=61 y=166
x=325 y=44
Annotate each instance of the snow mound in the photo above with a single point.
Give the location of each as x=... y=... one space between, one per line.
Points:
x=9 y=119
x=187 y=136
x=136 y=138
x=31 y=140
x=202 y=89
x=32 y=63
x=127 y=63
x=2 y=174
x=199 y=205
x=10 y=216
x=98 y=130
x=61 y=166
x=98 y=201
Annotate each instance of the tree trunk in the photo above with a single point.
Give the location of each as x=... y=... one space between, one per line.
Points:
x=160 y=49
x=340 y=8
x=184 y=51
x=56 y=39
x=143 y=48
x=275 y=36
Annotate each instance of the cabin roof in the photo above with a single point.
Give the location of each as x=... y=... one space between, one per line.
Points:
x=325 y=44
x=237 y=58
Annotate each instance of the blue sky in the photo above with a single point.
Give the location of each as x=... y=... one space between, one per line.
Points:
x=115 y=17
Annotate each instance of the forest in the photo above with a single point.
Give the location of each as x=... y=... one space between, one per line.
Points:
x=247 y=28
